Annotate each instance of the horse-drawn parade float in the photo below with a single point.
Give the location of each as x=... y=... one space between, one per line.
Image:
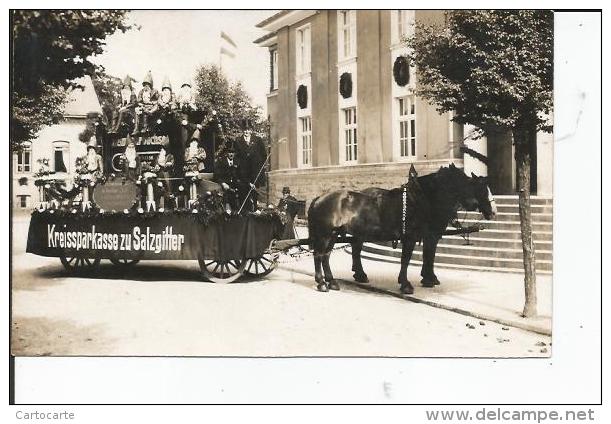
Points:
x=170 y=186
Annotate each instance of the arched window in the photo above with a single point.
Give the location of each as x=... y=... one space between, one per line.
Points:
x=61 y=156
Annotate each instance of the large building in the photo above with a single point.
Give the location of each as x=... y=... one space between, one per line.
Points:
x=58 y=143
x=343 y=112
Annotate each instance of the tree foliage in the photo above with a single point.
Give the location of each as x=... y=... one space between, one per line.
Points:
x=493 y=68
x=230 y=101
x=107 y=88
x=50 y=50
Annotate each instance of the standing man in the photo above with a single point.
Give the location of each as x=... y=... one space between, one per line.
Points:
x=131 y=161
x=289 y=206
x=226 y=173
x=252 y=155
x=165 y=162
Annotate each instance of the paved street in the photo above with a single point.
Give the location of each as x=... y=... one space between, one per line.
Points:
x=162 y=308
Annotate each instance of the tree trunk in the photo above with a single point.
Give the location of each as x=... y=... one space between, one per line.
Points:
x=522 y=138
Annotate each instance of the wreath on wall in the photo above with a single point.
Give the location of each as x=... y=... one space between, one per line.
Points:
x=400 y=71
x=345 y=85
x=302 y=96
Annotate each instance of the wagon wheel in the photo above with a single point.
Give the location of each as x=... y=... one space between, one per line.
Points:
x=261 y=266
x=122 y=262
x=78 y=264
x=222 y=272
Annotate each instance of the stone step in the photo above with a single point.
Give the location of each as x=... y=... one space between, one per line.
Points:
x=495 y=243
x=510 y=235
x=465 y=259
x=418 y=262
x=508 y=216
x=490 y=253
x=471 y=250
x=513 y=200
x=547 y=209
x=507 y=225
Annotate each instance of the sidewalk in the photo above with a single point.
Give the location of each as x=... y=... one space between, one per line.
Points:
x=492 y=296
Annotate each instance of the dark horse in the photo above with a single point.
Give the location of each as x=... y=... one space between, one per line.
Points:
x=429 y=203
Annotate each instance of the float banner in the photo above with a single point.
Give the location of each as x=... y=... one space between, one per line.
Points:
x=158 y=236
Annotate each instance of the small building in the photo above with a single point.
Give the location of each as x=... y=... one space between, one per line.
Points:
x=343 y=113
x=58 y=143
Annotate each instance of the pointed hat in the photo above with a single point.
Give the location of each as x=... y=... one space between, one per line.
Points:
x=166 y=83
x=128 y=81
x=195 y=135
x=148 y=78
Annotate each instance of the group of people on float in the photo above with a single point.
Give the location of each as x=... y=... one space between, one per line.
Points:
x=133 y=112
x=238 y=170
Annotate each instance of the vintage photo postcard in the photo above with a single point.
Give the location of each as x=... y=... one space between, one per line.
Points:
x=282 y=183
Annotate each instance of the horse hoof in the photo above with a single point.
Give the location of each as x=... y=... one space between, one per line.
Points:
x=322 y=288
x=361 y=278
x=407 y=289
x=334 y=285
x=428 y=283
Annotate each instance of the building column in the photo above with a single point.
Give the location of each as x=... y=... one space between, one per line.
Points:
x=480 y=145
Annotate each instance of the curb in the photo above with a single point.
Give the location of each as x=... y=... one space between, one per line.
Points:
x=523 y=326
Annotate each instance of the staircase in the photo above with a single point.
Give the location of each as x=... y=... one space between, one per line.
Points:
x=496 y=248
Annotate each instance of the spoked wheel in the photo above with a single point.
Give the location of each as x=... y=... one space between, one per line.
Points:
x=222 y=272
x=124 y=262
x=79 y=264
x=261 y=266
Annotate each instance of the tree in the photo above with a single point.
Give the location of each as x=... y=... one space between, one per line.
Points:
x=229 y=101
x=494 y=70
x=50 y=50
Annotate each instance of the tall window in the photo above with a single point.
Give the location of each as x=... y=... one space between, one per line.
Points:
x=303 y=50
x=350 y=138
x=24 y=159
x=407 y=126
x=347 y=34
x=23 y=200
x=401 y=24
x=273 y=58
x=305 y=135
x=61 y=156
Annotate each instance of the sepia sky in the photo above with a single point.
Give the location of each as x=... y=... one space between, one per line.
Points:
x=174 y=43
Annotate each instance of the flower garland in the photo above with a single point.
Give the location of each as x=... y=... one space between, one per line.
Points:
x=400 y=71
x=207 y=210
x=302 y=96
x=345 y=85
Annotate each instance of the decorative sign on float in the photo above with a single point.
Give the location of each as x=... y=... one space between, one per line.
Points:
x=116 y=194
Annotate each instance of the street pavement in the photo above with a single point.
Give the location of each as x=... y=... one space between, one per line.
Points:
x=161 y=308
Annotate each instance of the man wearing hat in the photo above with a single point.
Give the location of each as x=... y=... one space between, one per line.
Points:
x=147 y=104
x=289 y=206
x=165 y=162
x=131 y=161
x=185 y=98
x=226 y=173
x=194 y=155
x=167 y=100
x=252 y=155
x=125 y=106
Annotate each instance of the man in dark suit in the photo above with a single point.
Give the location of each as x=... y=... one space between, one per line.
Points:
x=288 y=205
x=226 y=173
x=251 y=154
